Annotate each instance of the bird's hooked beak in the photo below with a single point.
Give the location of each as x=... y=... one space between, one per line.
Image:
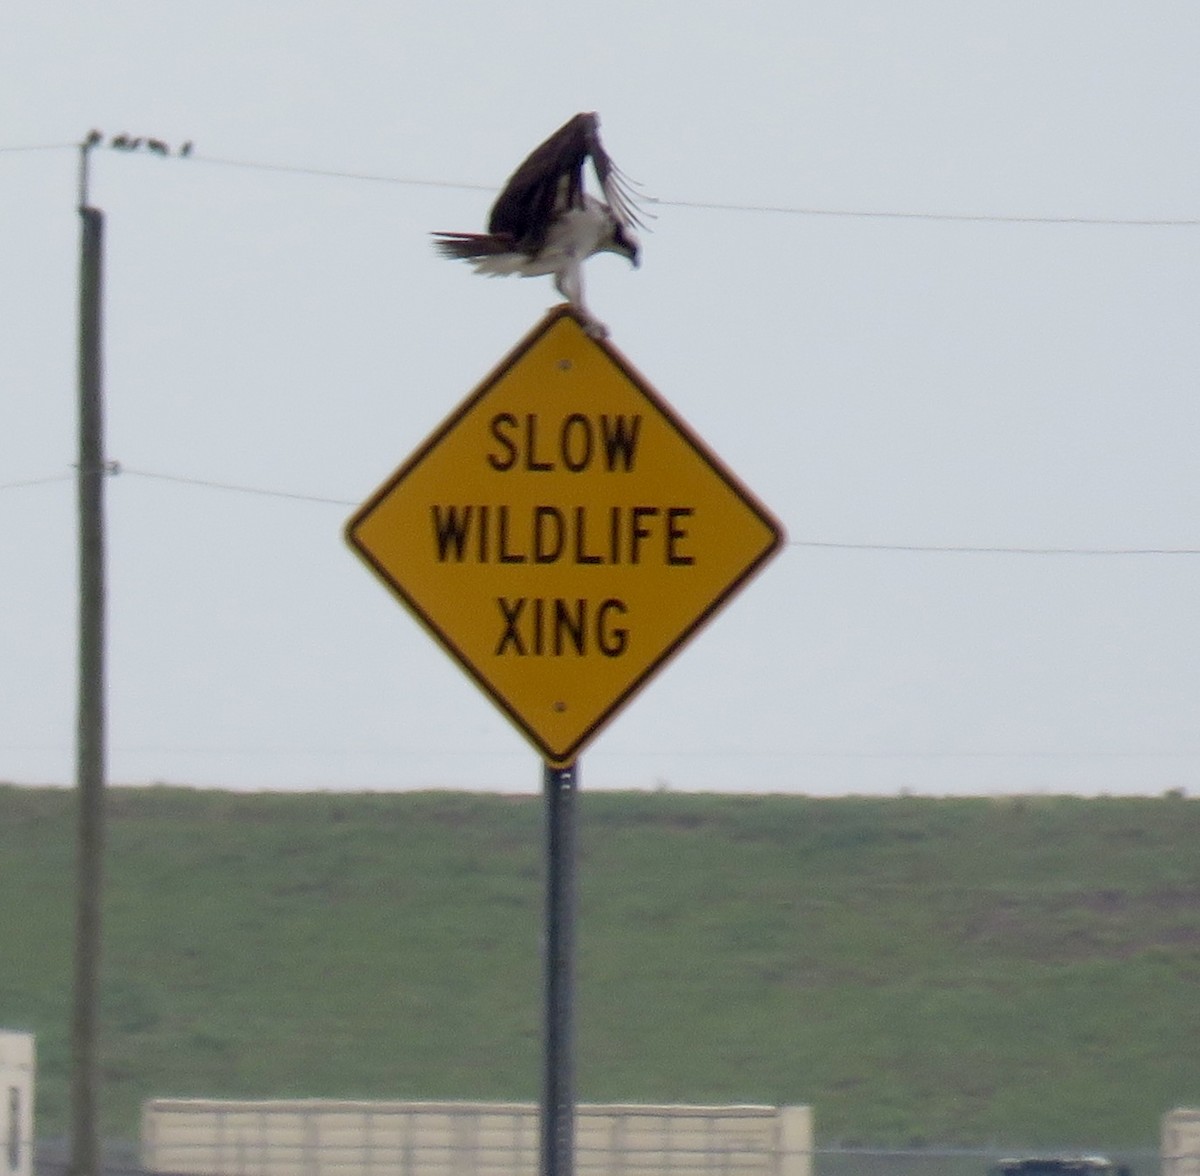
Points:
x=633 y=250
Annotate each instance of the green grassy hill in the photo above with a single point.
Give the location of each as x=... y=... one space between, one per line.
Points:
x=951 y=971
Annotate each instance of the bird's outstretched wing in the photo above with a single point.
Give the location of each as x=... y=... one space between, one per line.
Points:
x=550 y=181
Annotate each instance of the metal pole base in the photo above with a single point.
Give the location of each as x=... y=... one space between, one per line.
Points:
x=558 y=1085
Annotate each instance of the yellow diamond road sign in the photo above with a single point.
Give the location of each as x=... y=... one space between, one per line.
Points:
x=562 y=534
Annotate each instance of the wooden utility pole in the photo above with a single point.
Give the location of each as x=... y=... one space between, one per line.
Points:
x=90 y=731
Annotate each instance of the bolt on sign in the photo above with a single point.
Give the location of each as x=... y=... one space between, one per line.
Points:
x=562 y=534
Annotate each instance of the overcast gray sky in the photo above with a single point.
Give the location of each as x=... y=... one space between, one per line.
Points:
x=909 y=381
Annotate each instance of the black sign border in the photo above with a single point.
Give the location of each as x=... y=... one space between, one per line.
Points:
x=570 y=753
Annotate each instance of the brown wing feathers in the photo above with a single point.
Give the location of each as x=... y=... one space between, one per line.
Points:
x=528 y=202
x=548 y=182
x=617 y=187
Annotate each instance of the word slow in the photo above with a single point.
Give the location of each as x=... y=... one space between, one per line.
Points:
x=579 y=443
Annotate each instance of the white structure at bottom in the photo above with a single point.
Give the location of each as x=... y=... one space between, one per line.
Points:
x=17 y=1066
x=1181 y=1142
x=334 y=1138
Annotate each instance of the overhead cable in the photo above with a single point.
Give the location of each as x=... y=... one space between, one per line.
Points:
x=701 y=205
x=718 y=206
x=950 y=549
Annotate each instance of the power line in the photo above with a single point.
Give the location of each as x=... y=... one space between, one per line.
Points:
x=294 y=751
x=330 y=174
x=41 y=147
x=816 y=544
x=969 y=549
x=233 y=487
x=715 y=206
x=700 y=205
x=965 y=217
x=36 y=481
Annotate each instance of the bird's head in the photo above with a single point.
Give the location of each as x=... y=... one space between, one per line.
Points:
x=626 y=244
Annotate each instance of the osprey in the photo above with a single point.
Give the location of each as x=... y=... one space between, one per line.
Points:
x=543 y=222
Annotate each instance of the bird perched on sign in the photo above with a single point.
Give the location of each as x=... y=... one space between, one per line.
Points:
x=543 y=222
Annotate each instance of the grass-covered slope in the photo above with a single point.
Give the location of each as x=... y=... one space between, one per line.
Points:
x=958 y=971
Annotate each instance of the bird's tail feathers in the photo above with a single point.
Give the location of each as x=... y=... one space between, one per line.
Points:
x=471 y=246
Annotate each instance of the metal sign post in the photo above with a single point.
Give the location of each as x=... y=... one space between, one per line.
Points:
x=558 y=1077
